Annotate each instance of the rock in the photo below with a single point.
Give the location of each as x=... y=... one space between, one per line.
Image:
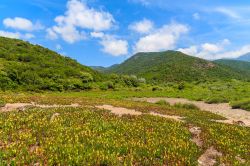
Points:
x=240 y=123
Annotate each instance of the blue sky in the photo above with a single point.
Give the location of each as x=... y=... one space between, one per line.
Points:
x=106 y=32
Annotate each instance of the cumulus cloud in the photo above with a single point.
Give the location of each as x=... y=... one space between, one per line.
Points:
x=21 y=24
x=215 y=50
x=97 y=34
x=16 y=35
x=143 y=27
x=113 y=46
x=192 y=50
x=161 y=39
x=79 y=16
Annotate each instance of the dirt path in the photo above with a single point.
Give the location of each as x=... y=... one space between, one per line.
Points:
x=124 y=111
x=209 y=157
x=234 y=116
x=23 y=106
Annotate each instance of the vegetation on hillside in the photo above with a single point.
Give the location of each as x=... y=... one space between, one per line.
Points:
x=241 y=66
x=173 y=66
x=32 y=67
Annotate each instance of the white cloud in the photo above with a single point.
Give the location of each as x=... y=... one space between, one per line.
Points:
x=51 y=34
x=68 y=33
x=235 y=53
x=161 y=39
x=21 y=24
x=196 y=16
x=228 y=12
x=189 y=51
x=97 y=34
x=16 y=35
x=79 y=16
x=113 y=46
x=215 y=50
x=211 y=48
x=144 y=26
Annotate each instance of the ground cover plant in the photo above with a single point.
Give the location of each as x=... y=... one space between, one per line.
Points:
x=97 y=137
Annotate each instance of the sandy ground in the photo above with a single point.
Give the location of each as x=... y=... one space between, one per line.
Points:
x=124 y=111
x=22 y=106
x=209 y=157
x=234 y=116
x=119 y=110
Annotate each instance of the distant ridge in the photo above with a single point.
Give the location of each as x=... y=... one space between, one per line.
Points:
x=174 y=66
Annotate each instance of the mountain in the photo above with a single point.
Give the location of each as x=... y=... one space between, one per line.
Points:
x=245 y=57
x=27 y=66
x=174 y=66
x=242 y=66
x=98 y=68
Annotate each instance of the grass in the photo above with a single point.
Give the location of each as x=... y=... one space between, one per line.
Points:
x=83 y=136
x=90 y=136
x=188 y=106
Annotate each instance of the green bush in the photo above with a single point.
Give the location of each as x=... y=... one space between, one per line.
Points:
x=163 y=102
x=157 y=88
x=244 y=104
x=215 y=100
x=188 y=106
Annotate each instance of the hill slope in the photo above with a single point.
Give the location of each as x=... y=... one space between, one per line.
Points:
x=235 y=64
x=245 y=57
x=27 y=66
x=173 y=66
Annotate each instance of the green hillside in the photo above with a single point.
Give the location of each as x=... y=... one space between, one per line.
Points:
x=242 y=66
x=174 y=66
x=27 y=66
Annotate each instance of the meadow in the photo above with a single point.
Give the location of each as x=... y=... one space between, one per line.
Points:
x=90 y=136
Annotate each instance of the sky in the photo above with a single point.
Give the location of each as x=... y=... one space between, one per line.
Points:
x=107 y=32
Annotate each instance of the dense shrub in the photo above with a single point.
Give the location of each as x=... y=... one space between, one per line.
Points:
x=244 y=104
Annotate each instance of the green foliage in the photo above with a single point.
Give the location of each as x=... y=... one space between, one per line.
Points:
x=157 y=88
x=32 y=67
x=163 y=102
x=215 y=99
x=2 y=103
x=172 y=66
x=243 y=104
x=241 y=66
x=188 y=106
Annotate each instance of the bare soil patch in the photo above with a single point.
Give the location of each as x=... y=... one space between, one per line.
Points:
x=196 y=131
x=234 y=116
x=209 y=157
x=22 y=106
x=124 y=111
x=119 y=110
